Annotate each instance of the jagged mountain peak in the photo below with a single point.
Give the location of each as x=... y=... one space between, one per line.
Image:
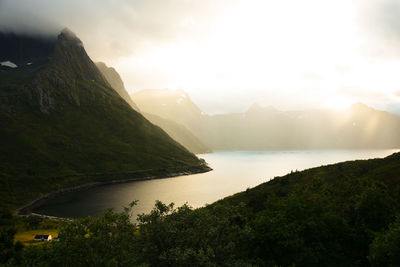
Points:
x=359 y=105
x=67 y=35
x=361 y=108
x=103 y=65
x=59 y=117
x=158 y=101
x=256 y=108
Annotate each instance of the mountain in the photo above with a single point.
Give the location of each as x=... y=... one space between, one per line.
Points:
x=175 y=106
x=266 y=128
x=177 y=131
x=61 y=123
x=114 y=79
x=172 y=105
x=174 y=112
x=357 y=127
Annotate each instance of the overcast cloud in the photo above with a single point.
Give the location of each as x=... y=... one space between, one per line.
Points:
x=110 y=28
x=266 y=51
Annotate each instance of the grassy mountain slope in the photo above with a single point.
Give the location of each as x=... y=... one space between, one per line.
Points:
x=61 y=124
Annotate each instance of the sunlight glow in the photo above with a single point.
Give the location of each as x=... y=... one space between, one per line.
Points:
x=338 y=103
x=265 y=48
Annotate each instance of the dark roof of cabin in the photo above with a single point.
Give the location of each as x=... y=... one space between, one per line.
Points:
x=41 y=236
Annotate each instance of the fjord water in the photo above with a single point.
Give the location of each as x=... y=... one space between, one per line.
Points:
x=233 y=172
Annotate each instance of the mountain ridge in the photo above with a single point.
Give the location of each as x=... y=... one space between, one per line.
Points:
x=114 y=79
x=266 y=128
x=176 y=130
x=61 y=122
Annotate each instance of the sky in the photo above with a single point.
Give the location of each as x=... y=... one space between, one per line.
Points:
x=228 y=54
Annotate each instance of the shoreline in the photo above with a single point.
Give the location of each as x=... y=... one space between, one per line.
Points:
x=27 y=209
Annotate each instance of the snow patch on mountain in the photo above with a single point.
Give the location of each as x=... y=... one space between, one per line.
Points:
x=8 y=64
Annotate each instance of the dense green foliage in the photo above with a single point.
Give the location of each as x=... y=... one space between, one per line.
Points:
x=385 y=250
x=345 y=214
x=61 y=125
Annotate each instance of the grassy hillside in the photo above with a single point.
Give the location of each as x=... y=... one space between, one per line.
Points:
x=61 y=124
x=346 y=214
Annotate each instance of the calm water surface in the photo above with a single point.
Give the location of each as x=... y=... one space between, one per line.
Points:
x=233 y=172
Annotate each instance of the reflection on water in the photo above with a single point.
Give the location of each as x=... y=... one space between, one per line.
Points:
x=233 y=172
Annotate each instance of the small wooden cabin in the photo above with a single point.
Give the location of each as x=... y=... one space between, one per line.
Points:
x=42 y=238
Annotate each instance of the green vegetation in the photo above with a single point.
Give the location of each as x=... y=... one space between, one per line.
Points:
x=62 y=125
x=346 y=214
x=27 y=237
x=28 y=226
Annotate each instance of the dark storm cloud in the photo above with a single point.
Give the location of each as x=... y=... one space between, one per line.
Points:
x=19 y=16
x=109 y=28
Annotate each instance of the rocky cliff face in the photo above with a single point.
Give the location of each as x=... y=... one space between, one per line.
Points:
x=114 y=79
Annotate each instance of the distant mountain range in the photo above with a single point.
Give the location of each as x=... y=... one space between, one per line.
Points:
x=176 y=130
x=266 y=128
x=180 y=133
x=174 y=106
x=62 y=123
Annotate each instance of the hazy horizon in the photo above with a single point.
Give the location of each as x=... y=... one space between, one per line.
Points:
x=231 y=54
x=245 y=108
